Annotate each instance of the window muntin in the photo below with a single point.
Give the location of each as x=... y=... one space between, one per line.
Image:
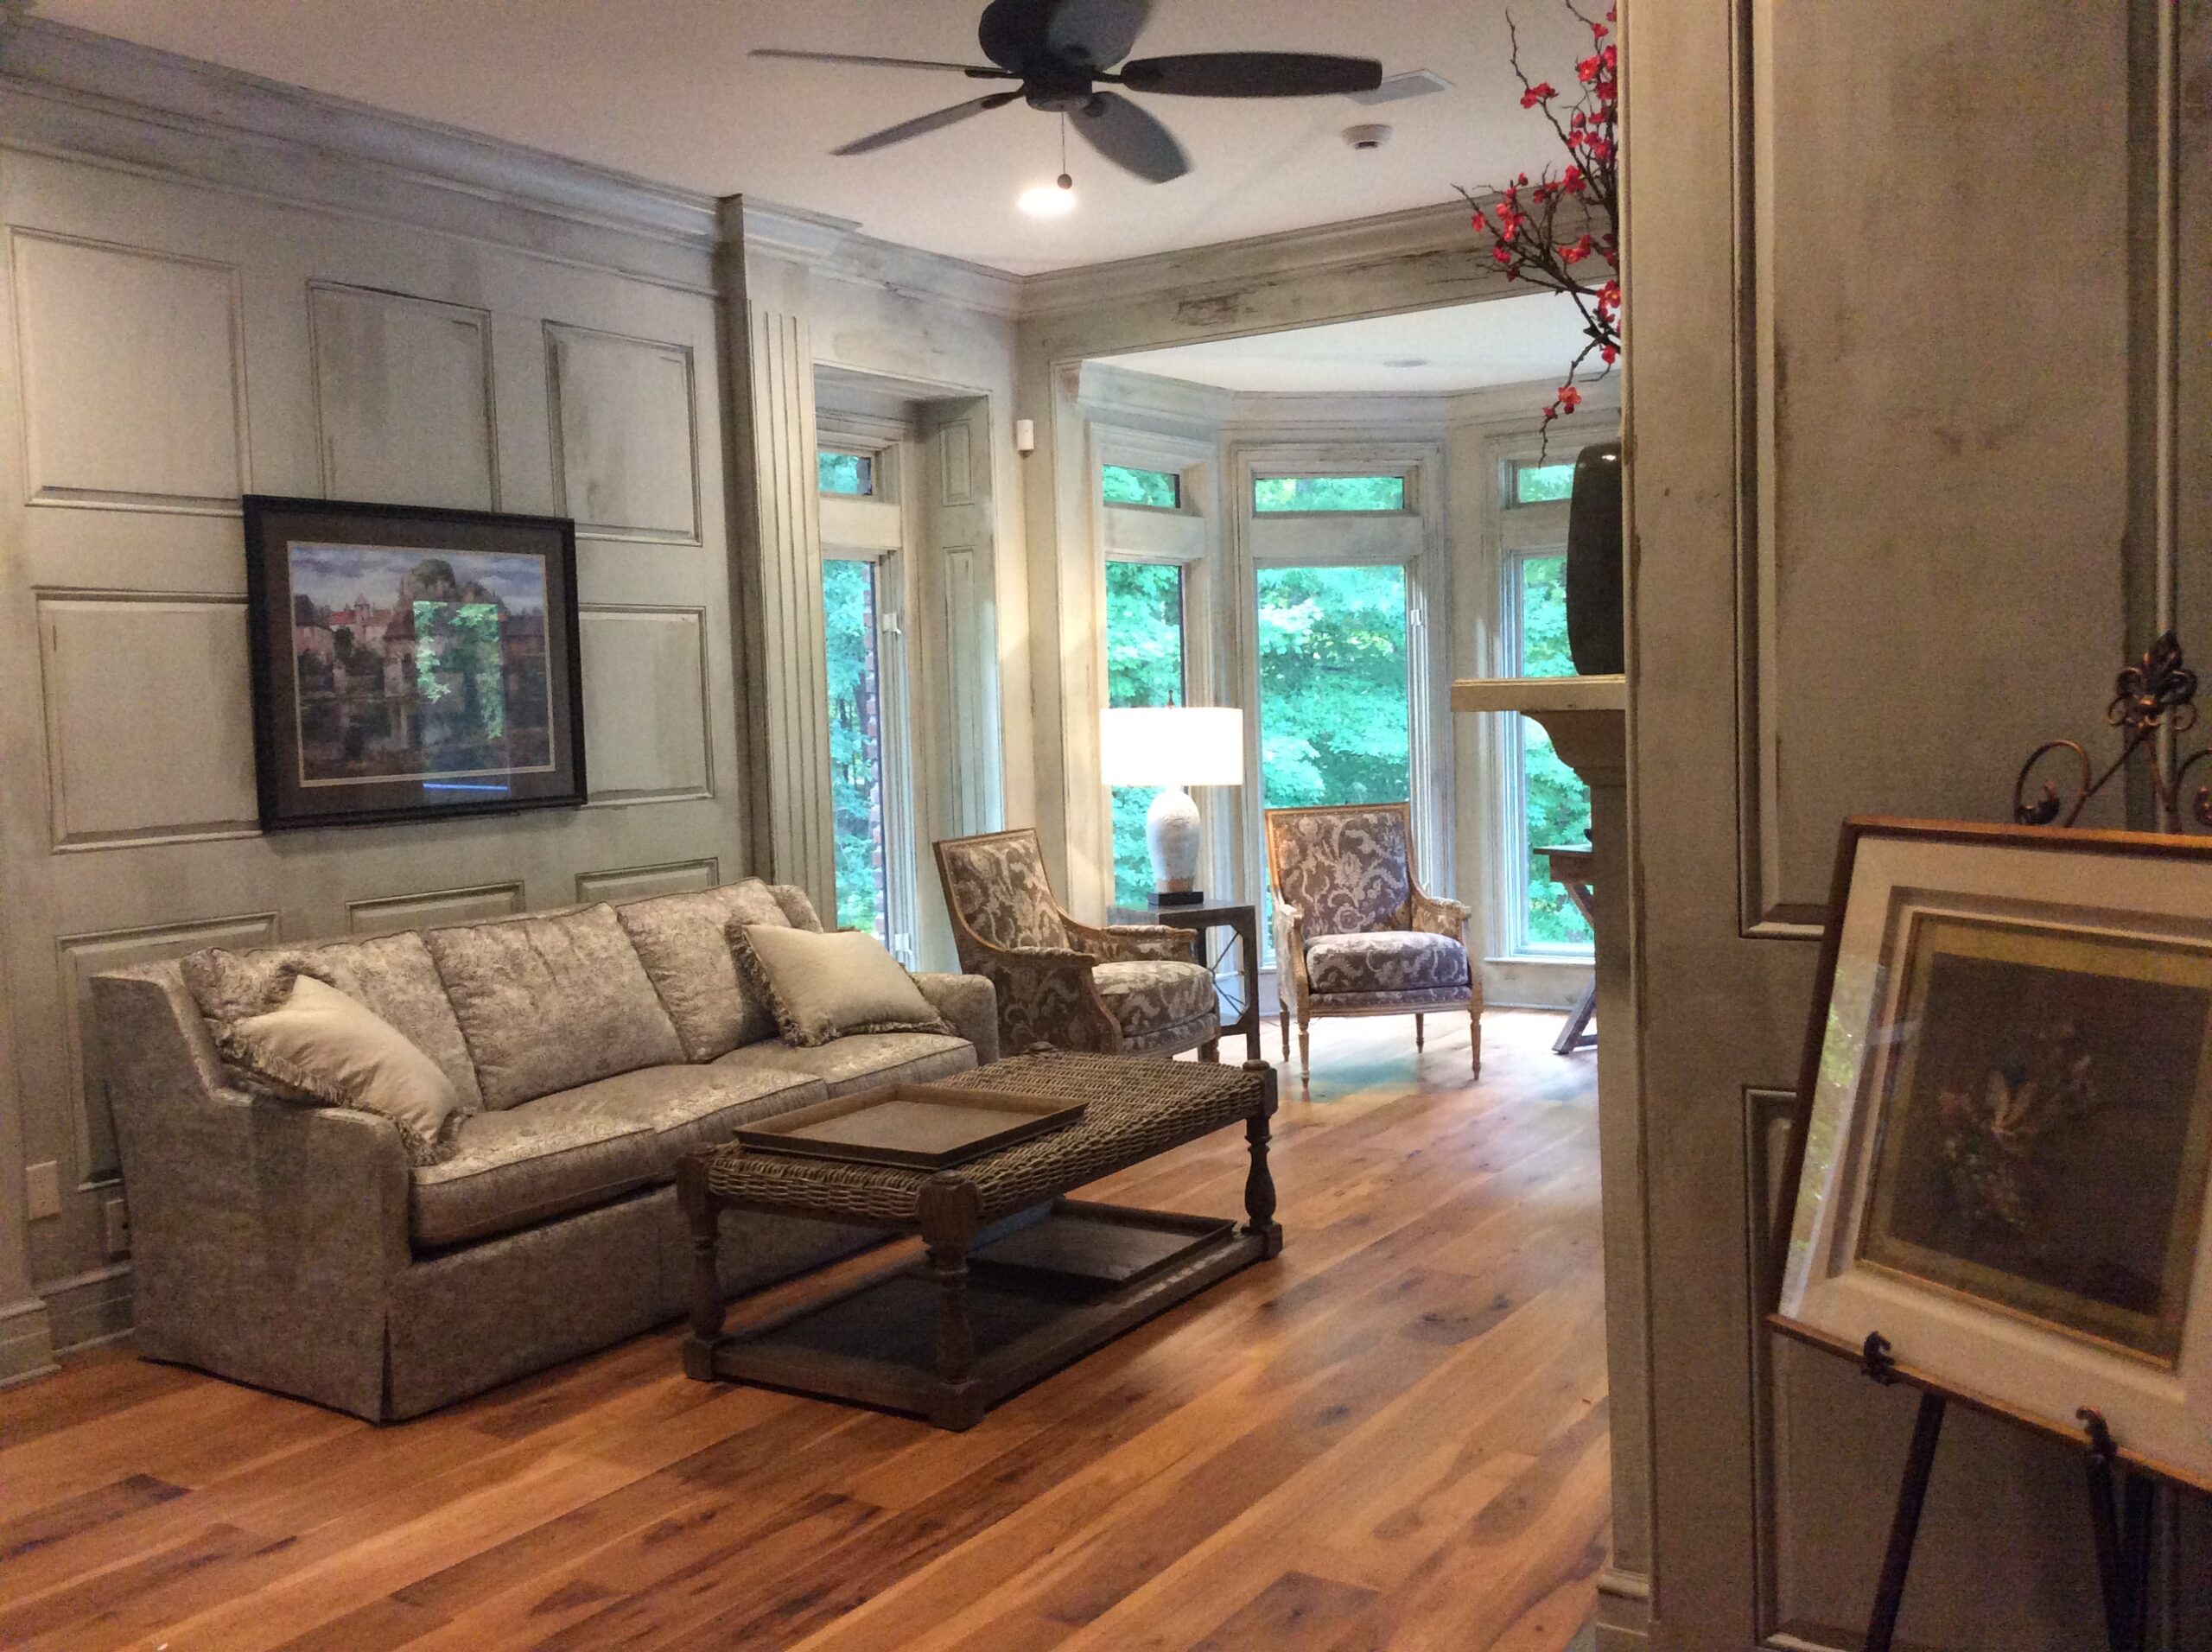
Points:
x=1145 y=666
x=1159 y=490
x=1547 y=804
x=849 y=475
x=853 y=654
x=1532 y=482
x=1283 y=495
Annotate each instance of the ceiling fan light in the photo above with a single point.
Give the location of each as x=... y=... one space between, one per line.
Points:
x=1047 y=200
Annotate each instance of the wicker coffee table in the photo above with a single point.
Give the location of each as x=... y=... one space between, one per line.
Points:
x=1018 y=1279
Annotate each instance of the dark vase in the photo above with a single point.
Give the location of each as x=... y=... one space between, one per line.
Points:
x=1595 y=636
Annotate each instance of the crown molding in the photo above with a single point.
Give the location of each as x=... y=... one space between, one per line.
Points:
x=1148 y=399
x=1355 y=242
x=837 y=248
x=71 y=93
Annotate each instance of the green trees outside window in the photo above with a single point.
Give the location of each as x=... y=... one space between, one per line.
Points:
x=1144 y=667
x=1542 y=484
x=1555 y=804
x=1128 y=484
x=1271 y=494
x=855 y=742
x=1332 y=686
x=849 y=473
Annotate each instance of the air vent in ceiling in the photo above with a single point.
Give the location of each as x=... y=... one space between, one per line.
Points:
x=1419 y=82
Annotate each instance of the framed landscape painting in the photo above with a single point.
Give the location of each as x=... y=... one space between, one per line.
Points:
x=410 y=664
x=2005 y=1136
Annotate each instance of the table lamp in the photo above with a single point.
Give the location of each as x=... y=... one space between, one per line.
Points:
x=1172 y=748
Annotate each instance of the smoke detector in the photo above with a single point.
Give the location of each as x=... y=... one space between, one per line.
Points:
x=1366 y=137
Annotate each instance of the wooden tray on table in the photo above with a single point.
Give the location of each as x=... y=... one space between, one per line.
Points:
x=914 y=1126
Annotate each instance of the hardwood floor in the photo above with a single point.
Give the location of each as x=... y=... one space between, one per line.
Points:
x=1394 y=1436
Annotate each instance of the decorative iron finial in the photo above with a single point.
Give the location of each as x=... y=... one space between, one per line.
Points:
x=2158 y=692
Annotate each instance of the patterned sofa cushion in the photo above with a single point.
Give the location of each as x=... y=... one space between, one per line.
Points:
x=1390 y=962
x=860 y=1061
x=1346 y=870
x=680 y=941
x=1150 y=995
x=548 y=1003
x=561 y=1152
x=393 y=974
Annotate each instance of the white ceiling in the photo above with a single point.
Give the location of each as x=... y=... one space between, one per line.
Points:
x=1469 y=346
x=663 y=89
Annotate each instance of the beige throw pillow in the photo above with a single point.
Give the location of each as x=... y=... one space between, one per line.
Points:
x=319 y=1046
x=823 y=987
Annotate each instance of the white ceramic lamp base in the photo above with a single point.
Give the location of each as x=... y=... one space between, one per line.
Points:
x=1171 y=832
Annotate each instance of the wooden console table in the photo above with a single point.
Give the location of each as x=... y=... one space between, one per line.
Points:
x=1574 y=869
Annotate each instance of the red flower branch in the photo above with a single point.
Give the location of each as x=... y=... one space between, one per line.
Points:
x=1558 y=232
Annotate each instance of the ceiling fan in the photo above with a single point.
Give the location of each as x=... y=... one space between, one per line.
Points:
x=1062 y=51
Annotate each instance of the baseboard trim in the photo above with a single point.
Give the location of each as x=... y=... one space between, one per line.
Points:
x=89 y=1308
x=26 y=1342
x=1623 y=1623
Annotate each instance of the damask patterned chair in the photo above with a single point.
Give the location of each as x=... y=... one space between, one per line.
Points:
x=1133 y=989
x=1354 y=933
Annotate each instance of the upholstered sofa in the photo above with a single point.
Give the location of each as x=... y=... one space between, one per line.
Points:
x=304 y=1249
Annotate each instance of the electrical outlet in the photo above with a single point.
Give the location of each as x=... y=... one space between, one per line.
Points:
x=116 y=1214
x=42 y=1190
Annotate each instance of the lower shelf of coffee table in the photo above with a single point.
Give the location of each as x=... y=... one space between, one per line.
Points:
x=1039 y=1297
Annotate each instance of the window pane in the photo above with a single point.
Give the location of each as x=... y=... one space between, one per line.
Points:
x=855 y=742
x=1555 y=804
x=1542 y=485
x=1144 y=667
x=1329 y=493
x=852 y=473
x=1126 y=485
x=1332 y=686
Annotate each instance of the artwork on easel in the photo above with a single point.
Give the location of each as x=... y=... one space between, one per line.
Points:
x=2005 y=1157
x=1999 y=1173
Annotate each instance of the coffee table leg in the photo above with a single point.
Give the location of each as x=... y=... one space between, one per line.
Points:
x=950 y=1214
x=704 y=1216
x=1259 y=1185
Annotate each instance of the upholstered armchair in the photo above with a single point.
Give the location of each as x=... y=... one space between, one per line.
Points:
x=1354 y=933
x=1132 y=989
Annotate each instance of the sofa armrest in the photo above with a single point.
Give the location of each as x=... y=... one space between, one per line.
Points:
x=264 y=1234
x=1128 y=942
x=1290 y=990
x=970 y=1003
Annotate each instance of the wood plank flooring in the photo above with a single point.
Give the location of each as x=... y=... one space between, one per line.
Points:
x=1394 y=1436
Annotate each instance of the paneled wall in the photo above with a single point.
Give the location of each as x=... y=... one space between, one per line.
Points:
x=176 y=345
x=1910 y=475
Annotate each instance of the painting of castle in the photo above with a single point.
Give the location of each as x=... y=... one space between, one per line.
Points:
x=415 y=664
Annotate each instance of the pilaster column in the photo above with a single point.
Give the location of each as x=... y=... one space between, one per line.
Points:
x=777 y=522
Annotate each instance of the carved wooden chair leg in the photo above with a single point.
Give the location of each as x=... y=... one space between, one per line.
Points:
x=1475 y=1036
x=1209 y=1051
x=1305 y=1053
x=1421 y=1031
x=1283 y=1016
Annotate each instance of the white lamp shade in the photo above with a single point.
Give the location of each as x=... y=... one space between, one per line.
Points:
x=1173 y=745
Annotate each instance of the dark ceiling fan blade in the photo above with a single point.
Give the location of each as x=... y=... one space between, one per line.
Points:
x=915 y=128
x=1012 y=32
x=978 y=70
x=1098 y=32
x=1130 y=138
x=1252 y=74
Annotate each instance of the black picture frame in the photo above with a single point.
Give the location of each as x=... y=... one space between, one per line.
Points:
x=351 y=720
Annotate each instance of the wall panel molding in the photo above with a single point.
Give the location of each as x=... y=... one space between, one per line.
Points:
x=625 y=435
x=648 y=705
x=388 y=914
x=150 y=731
x=620 y=884
x=134 y=376
x=403 y=398
x=79 y=958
